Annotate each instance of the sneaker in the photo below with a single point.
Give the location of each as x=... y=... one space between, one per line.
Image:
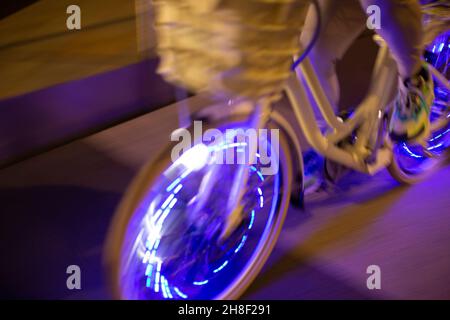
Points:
x=410 y=121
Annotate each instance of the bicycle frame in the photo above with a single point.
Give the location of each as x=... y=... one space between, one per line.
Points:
x=372 y=150
x=367 y=118
x=367 y=154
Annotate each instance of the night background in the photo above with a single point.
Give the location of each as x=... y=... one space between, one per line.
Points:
x=82 y=110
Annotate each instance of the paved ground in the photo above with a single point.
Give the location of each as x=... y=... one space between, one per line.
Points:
x=55 y=209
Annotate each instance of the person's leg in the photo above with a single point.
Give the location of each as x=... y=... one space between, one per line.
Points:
x=342 y=22
x=401 y=28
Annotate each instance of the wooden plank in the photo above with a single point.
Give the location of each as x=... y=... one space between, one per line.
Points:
x=57 y=85
x=37 y=50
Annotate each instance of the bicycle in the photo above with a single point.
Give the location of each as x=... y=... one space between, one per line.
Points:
x=175 y=234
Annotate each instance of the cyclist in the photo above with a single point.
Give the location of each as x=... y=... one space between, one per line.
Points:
x=342 y=22
x=401 y=27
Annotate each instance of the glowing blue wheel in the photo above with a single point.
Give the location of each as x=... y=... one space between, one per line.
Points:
x=165 y=241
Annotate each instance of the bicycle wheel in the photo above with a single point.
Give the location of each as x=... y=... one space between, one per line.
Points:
x=411 y=163
x=159 y=247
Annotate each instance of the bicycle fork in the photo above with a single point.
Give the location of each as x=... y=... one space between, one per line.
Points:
x=257 y=120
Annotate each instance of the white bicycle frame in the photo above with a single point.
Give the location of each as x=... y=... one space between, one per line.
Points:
x=366 y=155
x=369 y=154
x=367 y=118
